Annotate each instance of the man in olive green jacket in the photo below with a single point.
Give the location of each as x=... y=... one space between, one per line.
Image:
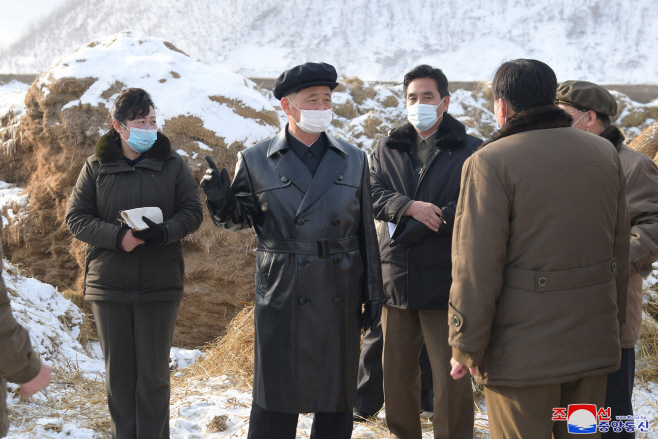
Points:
x=591 y=106
x=540 y=260
x=18 y=362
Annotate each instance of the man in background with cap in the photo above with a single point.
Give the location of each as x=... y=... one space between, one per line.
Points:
x=307 y=195
x=591 y=107
x=415 y=174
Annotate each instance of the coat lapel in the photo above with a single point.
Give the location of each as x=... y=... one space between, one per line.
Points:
x=289 y=165
x=331 y=167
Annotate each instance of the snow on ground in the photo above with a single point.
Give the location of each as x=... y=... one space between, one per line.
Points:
x=12 y=94
x=13 y=202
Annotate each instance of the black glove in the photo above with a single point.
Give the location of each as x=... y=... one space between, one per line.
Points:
x=371 y=314
x=409 y=233
x=215 y=184
x=155 y=234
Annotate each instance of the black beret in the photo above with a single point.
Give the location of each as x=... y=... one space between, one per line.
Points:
x=583 y=94
x=303 y=76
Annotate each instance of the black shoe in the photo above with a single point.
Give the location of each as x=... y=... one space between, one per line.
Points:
x=362 y=417
x=428 y=416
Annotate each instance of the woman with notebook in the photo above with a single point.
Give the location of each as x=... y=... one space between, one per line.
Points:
x=133 y=276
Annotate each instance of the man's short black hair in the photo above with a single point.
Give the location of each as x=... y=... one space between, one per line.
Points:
x=525 y=84
x=425 y=71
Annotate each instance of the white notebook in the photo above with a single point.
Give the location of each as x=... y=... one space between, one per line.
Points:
x=133 y=217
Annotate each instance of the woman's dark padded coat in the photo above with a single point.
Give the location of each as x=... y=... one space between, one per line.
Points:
x=108 y=185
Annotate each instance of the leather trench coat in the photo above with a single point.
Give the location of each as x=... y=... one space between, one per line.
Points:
x=317 y=261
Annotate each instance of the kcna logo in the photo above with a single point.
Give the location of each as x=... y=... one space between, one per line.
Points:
x=585 y=419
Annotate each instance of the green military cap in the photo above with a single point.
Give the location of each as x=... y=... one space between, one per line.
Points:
x=586 y=95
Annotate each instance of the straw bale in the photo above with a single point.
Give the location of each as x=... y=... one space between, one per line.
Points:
x=348 y=110
x=262 y=117
x=647 y=142
x=359 y=91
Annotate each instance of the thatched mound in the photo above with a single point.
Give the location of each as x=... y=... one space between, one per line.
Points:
x=647 y=142
x=203 y=110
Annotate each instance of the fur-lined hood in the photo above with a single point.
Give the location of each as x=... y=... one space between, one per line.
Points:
x=451 y=135
x=614 y=135
x=108 y=148
x=538 y=118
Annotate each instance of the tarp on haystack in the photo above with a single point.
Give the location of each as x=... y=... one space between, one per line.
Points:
x=202 y=110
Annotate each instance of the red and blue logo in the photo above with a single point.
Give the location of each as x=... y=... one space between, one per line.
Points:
x=581 y=418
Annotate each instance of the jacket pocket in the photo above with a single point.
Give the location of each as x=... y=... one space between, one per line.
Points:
x=643 y=264
x=90 y=254
x=262 y=276
x=104 y=185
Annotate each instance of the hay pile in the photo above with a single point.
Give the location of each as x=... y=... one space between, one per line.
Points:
x=203 y=111
x=647 y=142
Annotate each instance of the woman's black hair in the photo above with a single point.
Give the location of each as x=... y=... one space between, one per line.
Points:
x=131 y=104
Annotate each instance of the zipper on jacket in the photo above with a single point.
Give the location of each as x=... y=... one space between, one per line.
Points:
x=425 y=167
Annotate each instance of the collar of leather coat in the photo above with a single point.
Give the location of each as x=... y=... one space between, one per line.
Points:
x=450 y=135
x=108 y=148
x=538 y=118
x=614 y=135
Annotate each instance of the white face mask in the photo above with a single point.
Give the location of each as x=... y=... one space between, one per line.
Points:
x=314 y=121
x=423 y=116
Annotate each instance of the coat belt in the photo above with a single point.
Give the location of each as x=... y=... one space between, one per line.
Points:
x=321 y=247
x=541 y=281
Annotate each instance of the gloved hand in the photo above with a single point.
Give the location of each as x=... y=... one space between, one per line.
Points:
x=371 y=314
x=155 y=234
x=412 y=232
x=215 y=184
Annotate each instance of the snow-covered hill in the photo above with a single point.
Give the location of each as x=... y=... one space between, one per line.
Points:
x=608 y=42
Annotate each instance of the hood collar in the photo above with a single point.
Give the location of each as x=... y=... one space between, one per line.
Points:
x=614 y=135
x=450 y=135
x=108 y=148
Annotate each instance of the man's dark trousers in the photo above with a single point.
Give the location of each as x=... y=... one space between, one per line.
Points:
x=370 y=391
x=266 y=424
x=619 y=392
x=136 y=342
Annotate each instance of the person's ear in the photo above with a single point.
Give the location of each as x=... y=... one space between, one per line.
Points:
x=446 y=103
x=285 y=105
x=591 y=118
x=117 y=126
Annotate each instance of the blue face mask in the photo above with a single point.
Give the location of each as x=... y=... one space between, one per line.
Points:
x=141 y=140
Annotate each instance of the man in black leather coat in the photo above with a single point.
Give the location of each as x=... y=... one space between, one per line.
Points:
x=308 y=197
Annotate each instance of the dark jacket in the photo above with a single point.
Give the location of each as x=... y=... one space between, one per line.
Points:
x=419 y=277
x=317 y=261
x=18 y=361
x=108 y=185
x=540 y=254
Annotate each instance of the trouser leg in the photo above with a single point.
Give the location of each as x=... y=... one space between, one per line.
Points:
x=332 y=425
x=426 y=382
x=453 y=399
x=590 y=390
x=619 y=392
x=114 y=322
x=154 y=330
x=402 y=345
x=266 y=424
x=370 y=389
x=521 y=412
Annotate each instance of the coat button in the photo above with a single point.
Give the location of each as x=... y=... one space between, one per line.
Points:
x=340 y=177
x=309 y=154
x=284 y=179
x=337 y=260
x=542 y=281
x=613 y=267
x=645 y=268
x=336 y=222
x=456 y=321
x=103 y=170
x=300 y=221
x=302 y=262
x=337 y=301
x=303 y=301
